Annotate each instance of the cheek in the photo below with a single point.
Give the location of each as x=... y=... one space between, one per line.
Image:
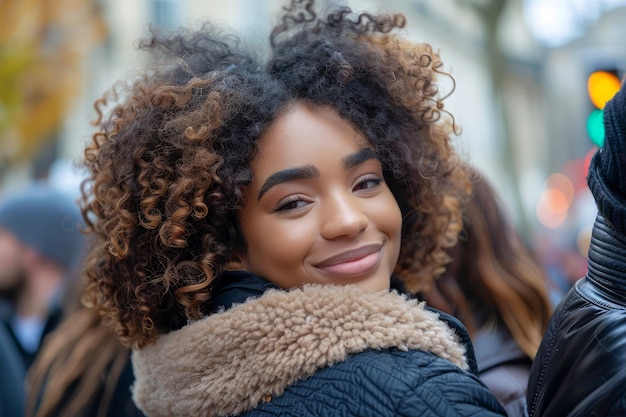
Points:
x=386 y=213
x=388 y=219
x=8 y=254
x=11 y=272
x=275 y=243
x=284 y=239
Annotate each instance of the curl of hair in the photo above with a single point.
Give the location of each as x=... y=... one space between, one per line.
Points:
x=170 y=159
x=494 y=277
x=387 y=88
x=166 y=169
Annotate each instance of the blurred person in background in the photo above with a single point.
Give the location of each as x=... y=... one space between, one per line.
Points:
x=580 y=368
x=11 y=377
x=567 y=268
x=499 y=292
x=82 y=370
x=41 y=247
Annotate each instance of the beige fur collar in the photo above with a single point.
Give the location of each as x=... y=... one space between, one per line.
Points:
x=228 y=362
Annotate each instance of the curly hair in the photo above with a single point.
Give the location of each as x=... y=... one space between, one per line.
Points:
x=170 y=160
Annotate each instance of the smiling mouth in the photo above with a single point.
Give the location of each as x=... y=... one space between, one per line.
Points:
x=354 y=262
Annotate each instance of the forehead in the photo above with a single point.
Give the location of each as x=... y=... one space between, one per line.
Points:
x=306 y=134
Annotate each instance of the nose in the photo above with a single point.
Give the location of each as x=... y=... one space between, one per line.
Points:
x=342 y=216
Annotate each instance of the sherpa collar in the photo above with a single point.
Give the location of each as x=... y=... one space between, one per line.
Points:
x=226 y=363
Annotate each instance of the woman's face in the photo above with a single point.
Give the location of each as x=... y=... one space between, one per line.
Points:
x=318 y=209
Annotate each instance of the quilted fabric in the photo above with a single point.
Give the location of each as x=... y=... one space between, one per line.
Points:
x=319 y=350
x=385 y=383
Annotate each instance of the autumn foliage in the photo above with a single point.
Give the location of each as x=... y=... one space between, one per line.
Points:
x=43 y=46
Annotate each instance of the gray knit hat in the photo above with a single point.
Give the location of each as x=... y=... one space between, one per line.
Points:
x=47 y=220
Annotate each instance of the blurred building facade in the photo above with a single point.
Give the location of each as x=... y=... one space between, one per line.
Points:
x=521 y=105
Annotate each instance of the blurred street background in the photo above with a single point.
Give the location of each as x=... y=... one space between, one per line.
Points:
x=531 y=78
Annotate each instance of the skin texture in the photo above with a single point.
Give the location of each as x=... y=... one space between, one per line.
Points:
x=10 y=261
x=335 y=222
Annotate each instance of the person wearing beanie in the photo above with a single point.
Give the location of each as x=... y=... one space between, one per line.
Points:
x=580 y=368
x=41 y=246
x=12 y=395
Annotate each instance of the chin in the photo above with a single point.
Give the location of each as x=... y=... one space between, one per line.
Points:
x=370 y=285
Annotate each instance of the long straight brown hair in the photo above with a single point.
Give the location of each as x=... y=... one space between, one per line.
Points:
x=80 y=362
x=494 y=276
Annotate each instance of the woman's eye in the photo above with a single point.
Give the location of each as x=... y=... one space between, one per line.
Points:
x=291 y=203
x=367 y=183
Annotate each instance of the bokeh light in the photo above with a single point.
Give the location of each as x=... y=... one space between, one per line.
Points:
x=595 y=127
x=587 y=160
x=602 y=86
x=563 y=183
x=583 y=239
x=552 y=208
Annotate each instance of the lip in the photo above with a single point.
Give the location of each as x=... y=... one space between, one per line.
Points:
x=350 y=255
x=353 y=262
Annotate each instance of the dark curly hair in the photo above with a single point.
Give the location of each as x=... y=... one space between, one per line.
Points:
x=171 y=158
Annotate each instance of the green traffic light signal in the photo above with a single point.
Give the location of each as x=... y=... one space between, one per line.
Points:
x=595 y=127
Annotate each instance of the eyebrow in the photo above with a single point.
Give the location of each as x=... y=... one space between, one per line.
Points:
x=309 y=171
x=359 y=157
x=290 y=174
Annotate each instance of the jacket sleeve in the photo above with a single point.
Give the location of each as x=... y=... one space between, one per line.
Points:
x=447 y=391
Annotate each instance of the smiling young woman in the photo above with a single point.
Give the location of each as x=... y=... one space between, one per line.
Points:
x=248 y=217
x=318 y=187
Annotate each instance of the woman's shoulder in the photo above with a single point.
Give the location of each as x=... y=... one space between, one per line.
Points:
x=503 y=366
x=394 y=370
x=301 y=339
x=583 y=315
x=385 y=383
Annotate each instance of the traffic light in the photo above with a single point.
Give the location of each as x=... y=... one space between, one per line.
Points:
x=602 y=85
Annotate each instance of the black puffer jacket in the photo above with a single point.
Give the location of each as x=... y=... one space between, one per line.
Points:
x=580 y=369
x=316 y=351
